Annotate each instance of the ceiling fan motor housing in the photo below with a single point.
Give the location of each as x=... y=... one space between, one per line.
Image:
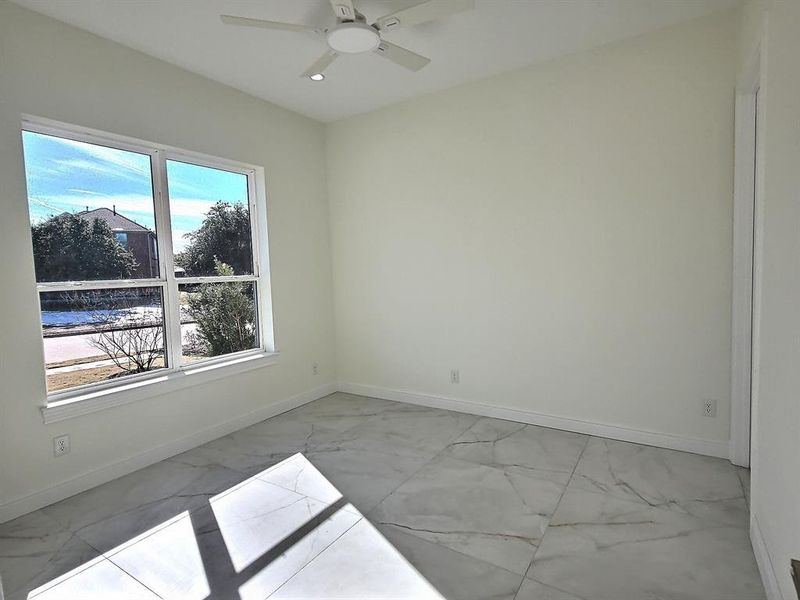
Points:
x=353 y=38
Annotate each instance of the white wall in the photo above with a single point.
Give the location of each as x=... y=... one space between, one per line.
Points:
x=776 y=420
x=52 y=70
x=561 y=234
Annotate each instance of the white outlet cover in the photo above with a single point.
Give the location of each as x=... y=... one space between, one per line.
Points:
x=61 y=445
x=710 y=408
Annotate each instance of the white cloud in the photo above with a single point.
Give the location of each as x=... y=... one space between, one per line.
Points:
x=190 y=207
x=129 y=161
x=130 y=203
x=179 y=242
x=97 y=168
x=91 y=193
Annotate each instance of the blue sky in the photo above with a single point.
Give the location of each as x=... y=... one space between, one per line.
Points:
x=67 y=176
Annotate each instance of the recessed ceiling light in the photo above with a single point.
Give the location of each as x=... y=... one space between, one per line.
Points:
x=316 y=77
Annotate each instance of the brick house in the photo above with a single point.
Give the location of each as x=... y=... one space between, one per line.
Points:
x=137 y=239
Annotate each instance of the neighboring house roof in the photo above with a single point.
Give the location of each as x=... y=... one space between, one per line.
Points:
x=115 y=221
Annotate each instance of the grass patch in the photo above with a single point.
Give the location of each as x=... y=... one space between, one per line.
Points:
x=62 y=381
x=57 y=382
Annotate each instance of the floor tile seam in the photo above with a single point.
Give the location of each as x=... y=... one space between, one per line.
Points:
x=56 y=520
x=242 y=471
x=368 y=419
x=519 y=587
x=326 y=503
x=434 y=457
x=208 y=469
x=448 y=548
x=145 y=534
x=707 y=524
x=309 y=447
x=497 y=469
x=521 y=583
x=663 y=506
x=305 y=566
x=109 y=555
x=76 y=530
x=305 y=495
x=136 y=579
x=78 y=535
x=415 y=472
x=521 y=472
x=443 y=546
x=220 y=465
x=315 y=445
x=80 y=570
x=45 y=509
x=560 y=500
x=59 y=526
x=553 y=587
x=402 y=482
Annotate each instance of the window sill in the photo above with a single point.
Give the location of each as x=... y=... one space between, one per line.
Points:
x=94 y=401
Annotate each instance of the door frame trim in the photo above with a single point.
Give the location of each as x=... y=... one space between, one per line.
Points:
x=746 y=269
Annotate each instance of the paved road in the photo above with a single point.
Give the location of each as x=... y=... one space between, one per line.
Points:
x=71 y=347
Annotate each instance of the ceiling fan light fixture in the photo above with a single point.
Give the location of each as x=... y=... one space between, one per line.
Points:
x=351 y=34
x=353 y=38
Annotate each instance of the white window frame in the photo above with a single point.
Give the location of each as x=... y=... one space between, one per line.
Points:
x=97 y=396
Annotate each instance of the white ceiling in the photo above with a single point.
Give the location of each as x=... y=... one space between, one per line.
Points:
x=499 y=35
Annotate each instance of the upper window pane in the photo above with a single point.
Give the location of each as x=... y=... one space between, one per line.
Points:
x=91 y=209
x=210 y=214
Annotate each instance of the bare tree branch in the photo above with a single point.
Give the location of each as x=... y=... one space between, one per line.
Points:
x=133 y=346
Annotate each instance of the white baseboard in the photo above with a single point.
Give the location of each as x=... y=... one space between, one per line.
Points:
x=25 y=504
x=614 y=432
x=765 y=566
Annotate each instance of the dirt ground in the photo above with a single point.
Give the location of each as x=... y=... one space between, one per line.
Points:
x=63 y=381
x=70 y=379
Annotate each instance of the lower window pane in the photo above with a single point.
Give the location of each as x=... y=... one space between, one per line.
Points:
x=94 y=336
x=217 y=319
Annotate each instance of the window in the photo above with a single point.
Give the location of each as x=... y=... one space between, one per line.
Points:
x=147 y=258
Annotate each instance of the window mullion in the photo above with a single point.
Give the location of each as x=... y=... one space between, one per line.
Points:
x=105 y=284
x=172 y=312
x=218 y=279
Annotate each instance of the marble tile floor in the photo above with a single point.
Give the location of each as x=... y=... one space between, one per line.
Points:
x=454 y=506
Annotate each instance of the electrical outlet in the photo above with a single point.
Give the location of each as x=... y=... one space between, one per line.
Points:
x=454 y=376
x=315 y=369
x=61 y=445
x=709 y=408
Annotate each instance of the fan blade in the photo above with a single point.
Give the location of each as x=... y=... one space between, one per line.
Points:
x=421 y=13
x=401 y=56
x=322 y=63
x=244 y=21
x=343 y=9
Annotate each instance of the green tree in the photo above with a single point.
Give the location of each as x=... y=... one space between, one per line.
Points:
x=68 y=248
x=225 y=314
x=224 y=235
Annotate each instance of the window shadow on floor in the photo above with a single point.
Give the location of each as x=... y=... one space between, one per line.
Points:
x=286 y=532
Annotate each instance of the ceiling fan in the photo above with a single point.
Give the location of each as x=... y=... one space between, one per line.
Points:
x=353 y=35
